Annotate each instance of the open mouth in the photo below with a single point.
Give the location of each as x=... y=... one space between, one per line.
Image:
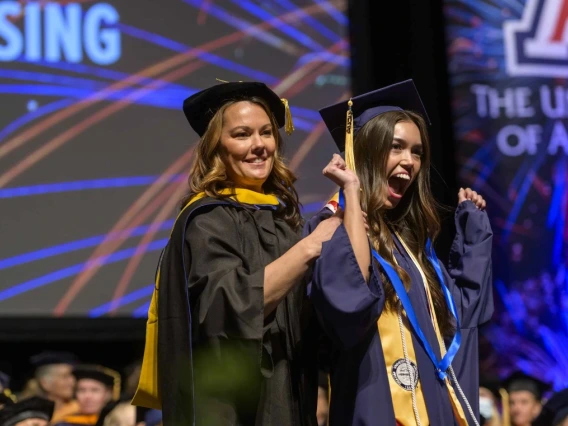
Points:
x=398 y=184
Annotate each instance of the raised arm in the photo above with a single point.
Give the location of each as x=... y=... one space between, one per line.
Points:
x=353 y=218
x=348 y=305
x=345 y=287
x=469 y=264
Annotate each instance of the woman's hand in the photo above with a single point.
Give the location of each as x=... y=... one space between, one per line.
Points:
x=337 y=171
x=468 y=194
x=323 y=232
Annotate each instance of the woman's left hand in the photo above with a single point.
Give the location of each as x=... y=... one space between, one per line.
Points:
x=469 y=194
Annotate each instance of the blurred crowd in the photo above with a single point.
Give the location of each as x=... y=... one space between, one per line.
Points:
x=542 y=300
x=62 y=391
x=521 y=400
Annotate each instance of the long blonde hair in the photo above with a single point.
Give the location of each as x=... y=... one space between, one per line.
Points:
x=208 y=173
x=415 y=218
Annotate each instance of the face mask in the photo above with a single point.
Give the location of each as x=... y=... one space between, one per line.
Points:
x=486 y=408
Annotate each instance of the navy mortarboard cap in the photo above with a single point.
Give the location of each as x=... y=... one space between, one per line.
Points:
x=491 y=383
x=200 y=107
x=31 y=408
x=519 y=381
x=554 y=411
x=397 y=97
x=101 y=374
x=50 y=358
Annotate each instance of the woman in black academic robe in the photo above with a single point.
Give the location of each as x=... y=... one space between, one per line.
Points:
x=230 y=335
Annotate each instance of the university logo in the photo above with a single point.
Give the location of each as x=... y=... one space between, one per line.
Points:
x=537 y=45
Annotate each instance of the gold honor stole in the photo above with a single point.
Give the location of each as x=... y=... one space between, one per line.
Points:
x=400 y=379
x=148 y=392
x=397 y=370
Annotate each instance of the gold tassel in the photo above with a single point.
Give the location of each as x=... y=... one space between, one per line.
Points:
x=349 y=155
x=505 y=407
x=8 y=393
x=288 y=123
x=116 y=382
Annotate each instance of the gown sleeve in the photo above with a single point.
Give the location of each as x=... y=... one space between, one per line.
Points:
x=347 y=305
x=469 y=266
x=227 y=296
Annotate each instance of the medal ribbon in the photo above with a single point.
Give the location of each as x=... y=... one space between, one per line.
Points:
x=441 y=366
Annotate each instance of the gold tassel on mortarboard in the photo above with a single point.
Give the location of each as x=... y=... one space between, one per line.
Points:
x=288 y=123
x=116 y=382
x=505 y=406
x=8 y=393
x=349 y=155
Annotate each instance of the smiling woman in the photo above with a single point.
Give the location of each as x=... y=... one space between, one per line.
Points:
x=249 y=144
x=230 y=336
x=241 y=147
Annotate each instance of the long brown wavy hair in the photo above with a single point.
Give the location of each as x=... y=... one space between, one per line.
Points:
x=415 y=218
x=208 y=173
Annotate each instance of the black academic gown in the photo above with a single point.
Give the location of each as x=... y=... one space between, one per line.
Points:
x=220 y=361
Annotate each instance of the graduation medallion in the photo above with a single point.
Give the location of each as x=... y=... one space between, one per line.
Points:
x=404 y=378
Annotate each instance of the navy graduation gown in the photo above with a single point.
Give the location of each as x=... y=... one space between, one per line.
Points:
x=349 y=309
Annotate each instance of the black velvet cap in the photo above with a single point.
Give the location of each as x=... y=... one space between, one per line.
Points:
x=51 y=358
x=491 y=383
x=31 y=408
x=519 y=381
x=554 y=411
x=101 y=374
x=200 y=107
x=397 y=97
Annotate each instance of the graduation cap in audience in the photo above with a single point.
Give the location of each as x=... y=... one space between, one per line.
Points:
x=492 y=384
x=31 y=408
x=6 y=396
x=346 y=118
x=106 y=376
x=200 y=107
x=51 y=358
x=555 y=411
x=519 y=381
